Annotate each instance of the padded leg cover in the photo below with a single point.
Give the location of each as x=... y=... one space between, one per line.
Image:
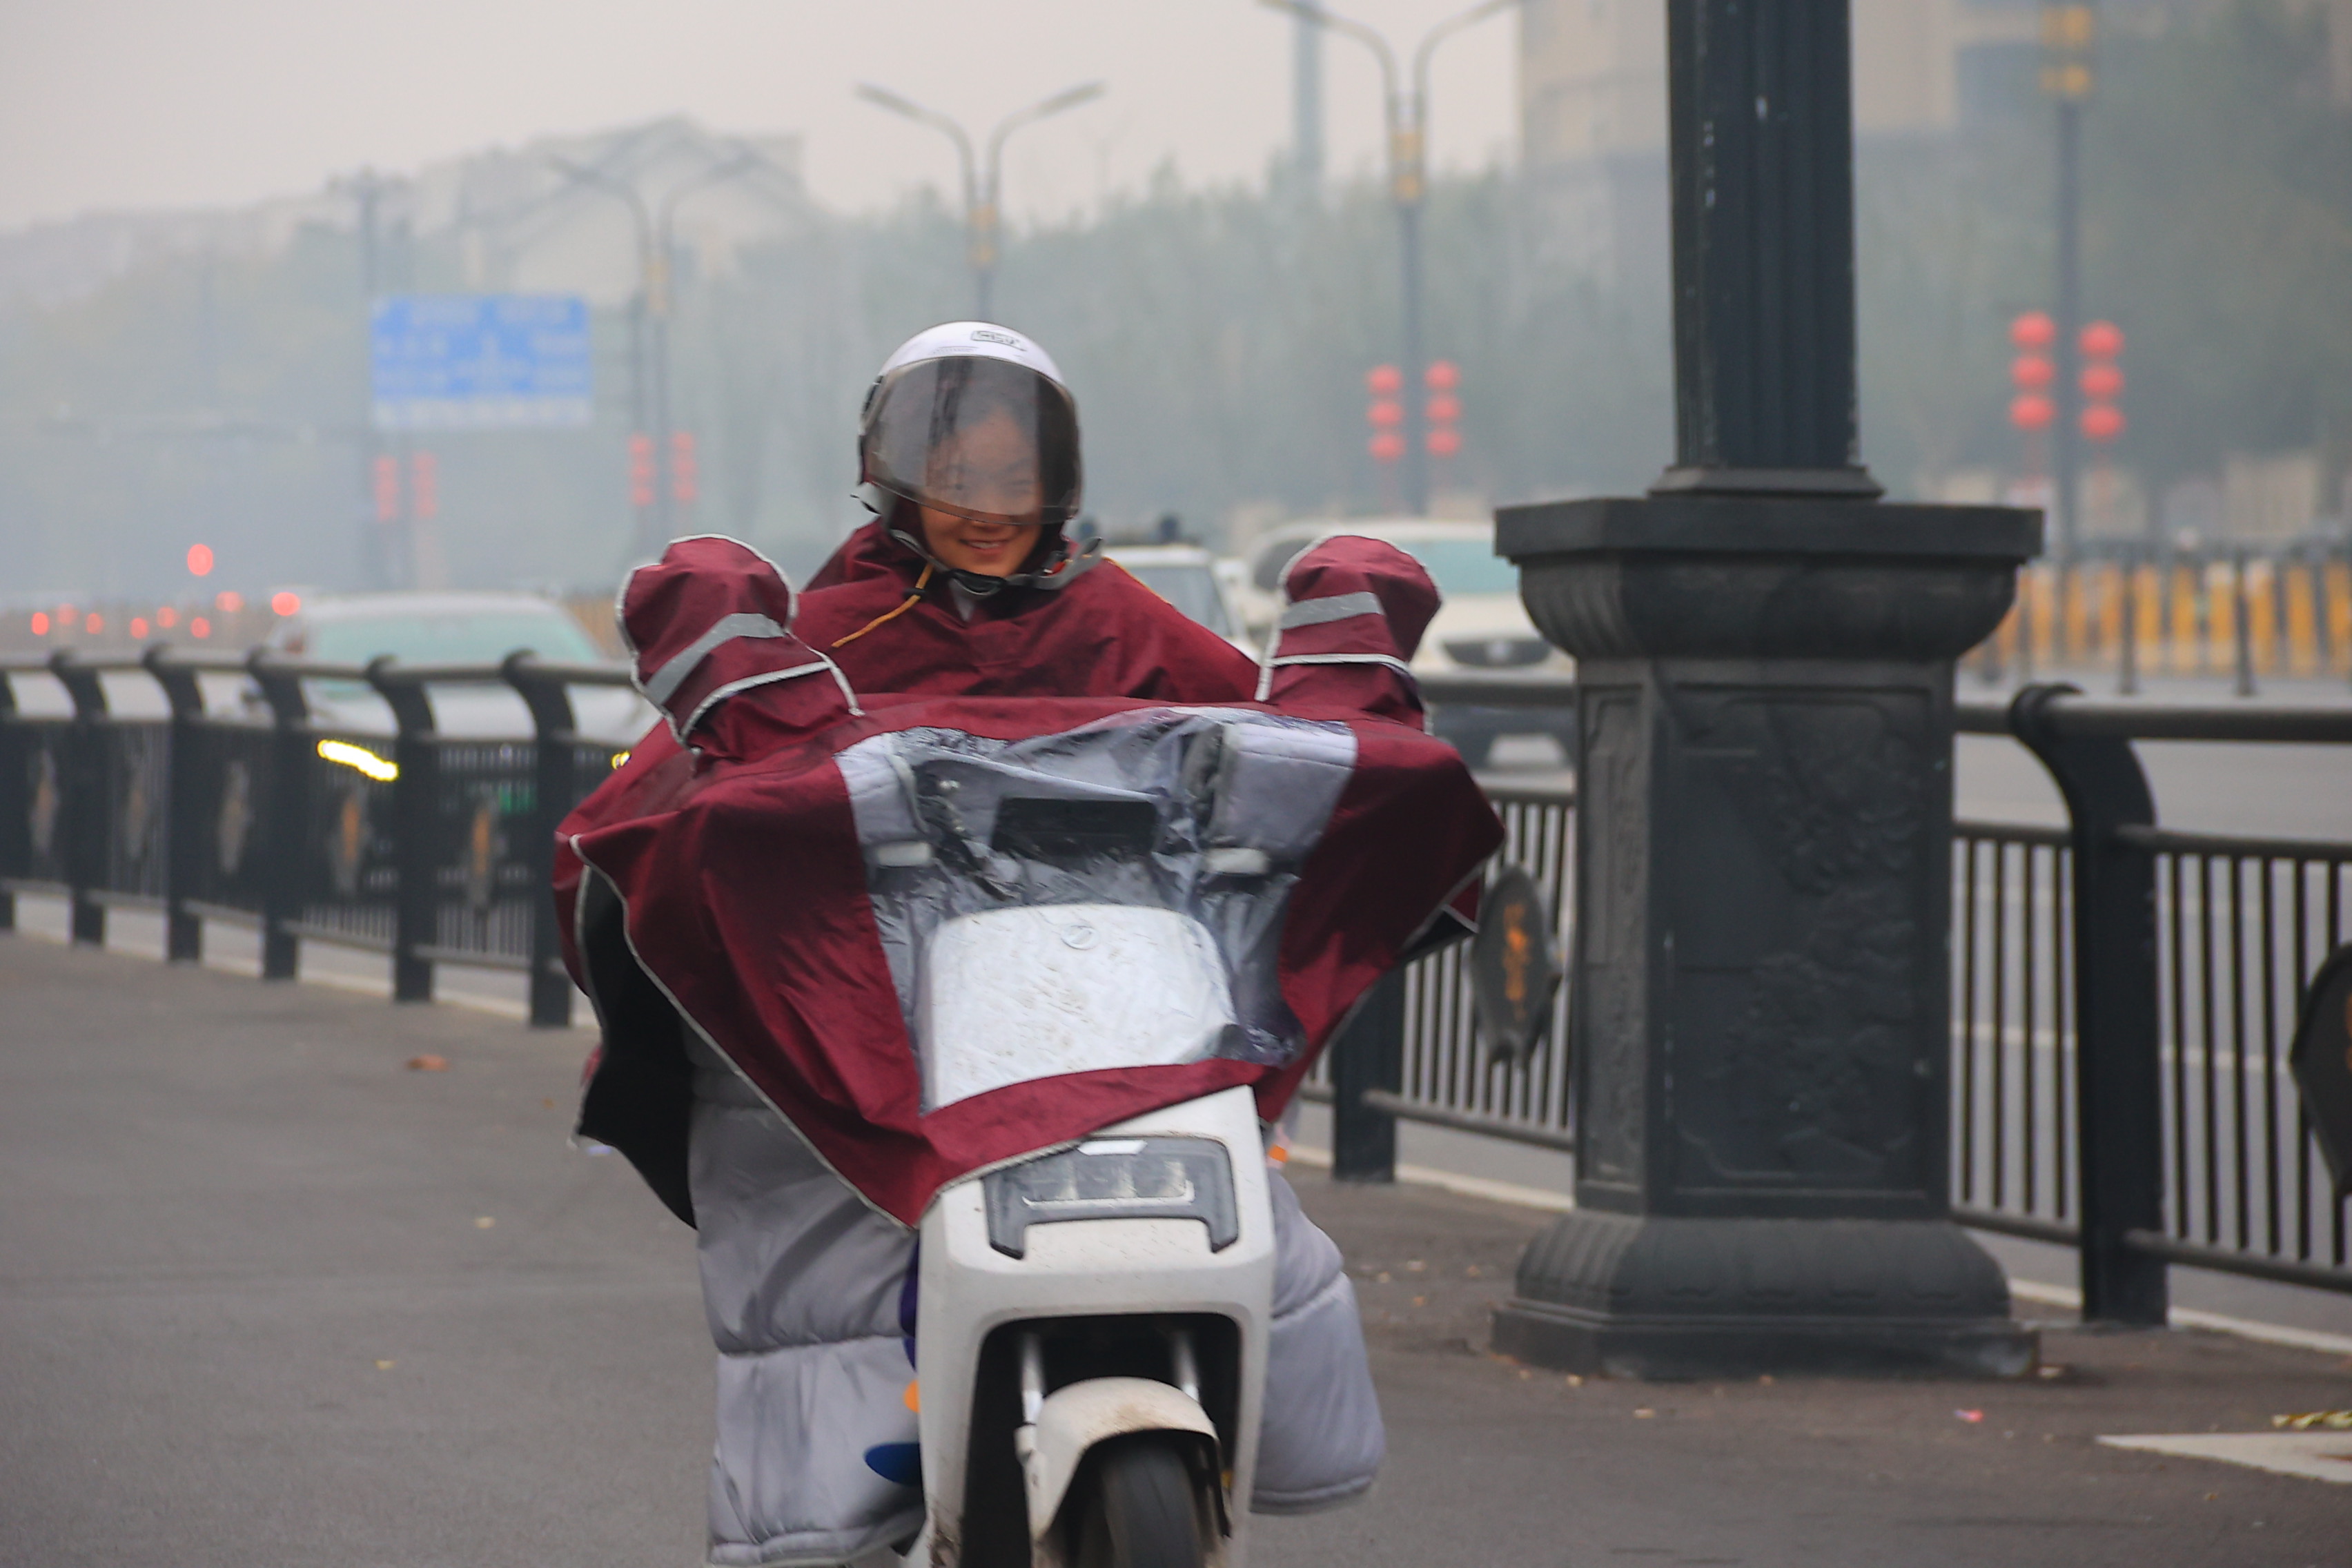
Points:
x=1320 y=1442
x=815 y=1462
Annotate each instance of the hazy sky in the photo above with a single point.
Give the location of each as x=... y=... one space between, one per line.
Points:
x=114 y=104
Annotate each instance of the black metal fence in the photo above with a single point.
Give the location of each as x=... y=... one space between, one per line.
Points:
x=2125 y=996
x=429 y=848
x=2176 y=1136
x=2122 y=994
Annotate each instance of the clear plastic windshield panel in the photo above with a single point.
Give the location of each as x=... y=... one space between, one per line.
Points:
x=1110 y=896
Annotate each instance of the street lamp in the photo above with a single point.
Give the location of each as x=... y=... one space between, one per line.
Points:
x=2069 y=31
x=1407 y=115
x=650 y=314
x=983 y=178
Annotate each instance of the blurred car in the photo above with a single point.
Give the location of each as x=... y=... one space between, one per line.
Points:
x=1481 y=626
x=1189 y=577
x=449 y=629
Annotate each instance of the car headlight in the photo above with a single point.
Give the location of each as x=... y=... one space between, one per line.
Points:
x=1115 y=1178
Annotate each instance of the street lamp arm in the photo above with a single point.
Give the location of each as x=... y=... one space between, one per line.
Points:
x=717 y=174
x=1069 y=98
x=1354 y=29
x=1438 y=34
x=899 y=104
x=596 y=179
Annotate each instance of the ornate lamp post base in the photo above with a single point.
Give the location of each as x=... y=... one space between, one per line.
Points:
x=1642 y=1295
x=1761 y=1023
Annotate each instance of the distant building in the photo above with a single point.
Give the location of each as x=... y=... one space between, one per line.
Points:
x=1592 y=97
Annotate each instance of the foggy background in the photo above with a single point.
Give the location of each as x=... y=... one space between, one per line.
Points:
x=183 y=311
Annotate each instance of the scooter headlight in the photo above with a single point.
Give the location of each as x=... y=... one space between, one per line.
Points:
x=1115 y=1178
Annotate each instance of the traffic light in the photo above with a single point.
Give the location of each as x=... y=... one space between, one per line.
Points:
x=1444 y=409
x=684 y=479
x=1387 y=412
x=424 y=486
x=641 y=470
x=387 y=489
x=2101 y=343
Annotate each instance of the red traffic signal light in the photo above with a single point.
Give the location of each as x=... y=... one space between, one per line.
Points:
x=641 y=470
x=387 y=489
x=2102 y=340
x=200 y=560
x=2031 y=373
x=425 y=485
x=1386 y=447
x=1384 y=381
x=2032 y=411
x=2102 y=422
x=2034 y=330
x=1442 y=376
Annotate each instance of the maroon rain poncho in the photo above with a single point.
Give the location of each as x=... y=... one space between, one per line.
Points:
x=721 y=887
x=1101 y=634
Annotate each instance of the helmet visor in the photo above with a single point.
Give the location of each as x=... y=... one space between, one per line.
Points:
x=982 y=438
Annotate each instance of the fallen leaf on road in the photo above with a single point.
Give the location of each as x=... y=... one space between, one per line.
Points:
x=1643 y=1413
x=1969 y=1416
x=428 y=1064
x=547 y=1104
x=483 y=1221
x=2331 y=1420
x=386 y=1365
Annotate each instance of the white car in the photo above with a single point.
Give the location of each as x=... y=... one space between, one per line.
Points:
x=1193 y=580
x=449 y=629
x=1481 y=626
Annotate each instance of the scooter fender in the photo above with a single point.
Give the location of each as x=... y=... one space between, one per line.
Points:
x=1073 y=1419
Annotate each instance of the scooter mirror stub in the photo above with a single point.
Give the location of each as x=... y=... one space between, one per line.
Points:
x=1116 y=1178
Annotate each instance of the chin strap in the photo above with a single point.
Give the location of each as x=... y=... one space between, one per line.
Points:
x=1066 y=566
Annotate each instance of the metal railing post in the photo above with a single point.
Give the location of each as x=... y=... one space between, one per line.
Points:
x=2119 y=1102
x=1367 y=1054
x=287 y=821
x=2240 y=629
x=183 y=934
x=552 y=787
x=14 y=829
x=414 y=797
x=2127 y=633
x=85 y=801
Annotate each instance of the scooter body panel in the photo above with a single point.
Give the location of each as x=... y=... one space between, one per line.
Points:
x=1090 y=1268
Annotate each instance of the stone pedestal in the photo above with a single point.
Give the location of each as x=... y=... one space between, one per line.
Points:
x=1761 y=1023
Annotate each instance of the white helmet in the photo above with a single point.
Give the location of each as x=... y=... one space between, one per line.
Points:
x=971 y=418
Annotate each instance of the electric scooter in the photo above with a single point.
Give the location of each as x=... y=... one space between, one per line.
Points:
x=1092 y=1322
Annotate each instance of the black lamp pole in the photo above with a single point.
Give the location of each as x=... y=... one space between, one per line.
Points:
x=1765 y=650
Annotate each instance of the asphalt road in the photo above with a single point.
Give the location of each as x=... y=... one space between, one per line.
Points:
x=267 y=1297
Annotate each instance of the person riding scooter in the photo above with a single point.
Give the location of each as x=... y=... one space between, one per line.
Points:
x=967 y=581
x=961 y=587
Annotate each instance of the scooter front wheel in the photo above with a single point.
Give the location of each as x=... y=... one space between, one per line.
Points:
x=1145 y=1511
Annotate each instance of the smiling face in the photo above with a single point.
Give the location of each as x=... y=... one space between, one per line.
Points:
x=992 y=466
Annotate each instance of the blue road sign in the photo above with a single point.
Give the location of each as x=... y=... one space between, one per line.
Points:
x=480 y=362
